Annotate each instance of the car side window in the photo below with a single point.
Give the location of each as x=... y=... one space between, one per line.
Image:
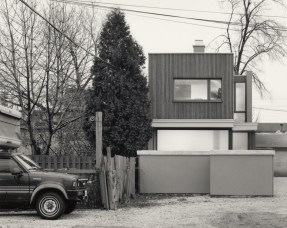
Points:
x=7 y=165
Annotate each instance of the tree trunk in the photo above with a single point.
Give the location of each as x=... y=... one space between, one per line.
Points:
x=35 y=149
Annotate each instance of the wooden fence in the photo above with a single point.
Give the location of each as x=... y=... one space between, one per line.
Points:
x=117 y=179
x=74 y=164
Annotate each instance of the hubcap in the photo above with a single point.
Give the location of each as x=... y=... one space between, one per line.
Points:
x=50 y=206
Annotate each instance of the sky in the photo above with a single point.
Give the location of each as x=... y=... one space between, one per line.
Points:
x=158 y=34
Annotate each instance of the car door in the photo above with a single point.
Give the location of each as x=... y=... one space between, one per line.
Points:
x=14 y=188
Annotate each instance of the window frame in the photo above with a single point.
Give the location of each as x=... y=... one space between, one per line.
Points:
x=208 y=100
x=235 y=111
x=229 y=133
x=10 y=159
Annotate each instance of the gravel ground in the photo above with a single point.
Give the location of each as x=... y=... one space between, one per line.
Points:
x=172 y=211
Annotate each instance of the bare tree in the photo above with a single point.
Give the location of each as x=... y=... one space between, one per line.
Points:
x=67 y=67
x=251 y=36
x=43 y=71
x=19 y=52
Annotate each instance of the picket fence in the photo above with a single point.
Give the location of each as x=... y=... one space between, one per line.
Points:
x=70 y=163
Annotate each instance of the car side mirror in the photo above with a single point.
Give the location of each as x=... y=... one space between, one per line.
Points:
x=16 y=171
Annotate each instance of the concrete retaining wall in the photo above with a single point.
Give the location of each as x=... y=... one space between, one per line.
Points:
x=241 y=175
x=215 y=172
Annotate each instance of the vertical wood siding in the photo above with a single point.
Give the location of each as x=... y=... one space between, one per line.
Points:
x=163 y=68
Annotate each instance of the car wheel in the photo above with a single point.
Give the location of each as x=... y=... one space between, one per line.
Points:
x=70 y=207
x=50 y=205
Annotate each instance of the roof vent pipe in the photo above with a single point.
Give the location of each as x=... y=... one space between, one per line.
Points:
x=198 y=46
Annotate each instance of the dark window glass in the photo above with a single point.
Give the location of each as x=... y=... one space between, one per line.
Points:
x=215 y=90
x=7 y=164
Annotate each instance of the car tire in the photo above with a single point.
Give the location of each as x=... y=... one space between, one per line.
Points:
x=50 y=205
x=70 y=207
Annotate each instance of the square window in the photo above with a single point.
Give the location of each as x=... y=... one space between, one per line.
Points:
x=198 y=89
x=182 y=90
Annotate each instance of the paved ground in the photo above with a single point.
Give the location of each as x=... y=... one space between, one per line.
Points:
x=177 y=211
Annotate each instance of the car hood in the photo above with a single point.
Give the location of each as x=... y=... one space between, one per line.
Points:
x=52 y=175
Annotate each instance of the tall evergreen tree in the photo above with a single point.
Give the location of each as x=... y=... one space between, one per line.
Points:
x=120 y=90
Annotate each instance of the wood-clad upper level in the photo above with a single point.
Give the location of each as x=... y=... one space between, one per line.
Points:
x=165 y=68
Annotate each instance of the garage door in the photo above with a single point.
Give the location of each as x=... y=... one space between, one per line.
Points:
x=192 y=140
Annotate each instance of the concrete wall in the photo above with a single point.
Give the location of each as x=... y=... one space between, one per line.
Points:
x=174 y=174
x=241 y=175
x=216 y=172
x=280 y=163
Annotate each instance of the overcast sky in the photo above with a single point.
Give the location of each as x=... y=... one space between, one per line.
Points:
x=165 y=35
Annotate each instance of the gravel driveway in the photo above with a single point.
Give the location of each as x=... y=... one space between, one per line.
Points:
x=176 y=211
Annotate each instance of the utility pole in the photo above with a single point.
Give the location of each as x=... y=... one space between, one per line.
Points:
x=99 y=138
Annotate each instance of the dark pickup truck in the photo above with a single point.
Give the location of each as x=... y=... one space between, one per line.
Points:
x=23 y=184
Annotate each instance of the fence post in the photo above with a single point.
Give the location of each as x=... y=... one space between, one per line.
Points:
x=111 y=181
x=99 y=137
x=103 y=184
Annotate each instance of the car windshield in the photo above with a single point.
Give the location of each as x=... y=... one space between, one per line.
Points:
x=28 y=163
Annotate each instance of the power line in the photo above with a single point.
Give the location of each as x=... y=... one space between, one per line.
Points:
x=270 y=109
x=143 y=12
x=92 y=4
x=67 y=37
x=188 y=23
x=181 y=22
x=161 y=8
x=180 y=9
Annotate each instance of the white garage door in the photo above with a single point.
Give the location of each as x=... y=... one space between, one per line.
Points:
x=192 y=140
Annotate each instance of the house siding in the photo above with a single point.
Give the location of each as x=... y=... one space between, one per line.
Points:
x=163 y=68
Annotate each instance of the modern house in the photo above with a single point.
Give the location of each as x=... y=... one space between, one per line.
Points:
x=198 y=103
x=203 y=136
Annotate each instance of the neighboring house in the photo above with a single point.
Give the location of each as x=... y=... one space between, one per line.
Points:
x=9 y=128
x=69 y=139
x=274 y=136
x=3 y=95
x=198 y=104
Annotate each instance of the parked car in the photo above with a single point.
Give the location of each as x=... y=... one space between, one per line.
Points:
x=24 y=184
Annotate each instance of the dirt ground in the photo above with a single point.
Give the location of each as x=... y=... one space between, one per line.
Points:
x=172 y=211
